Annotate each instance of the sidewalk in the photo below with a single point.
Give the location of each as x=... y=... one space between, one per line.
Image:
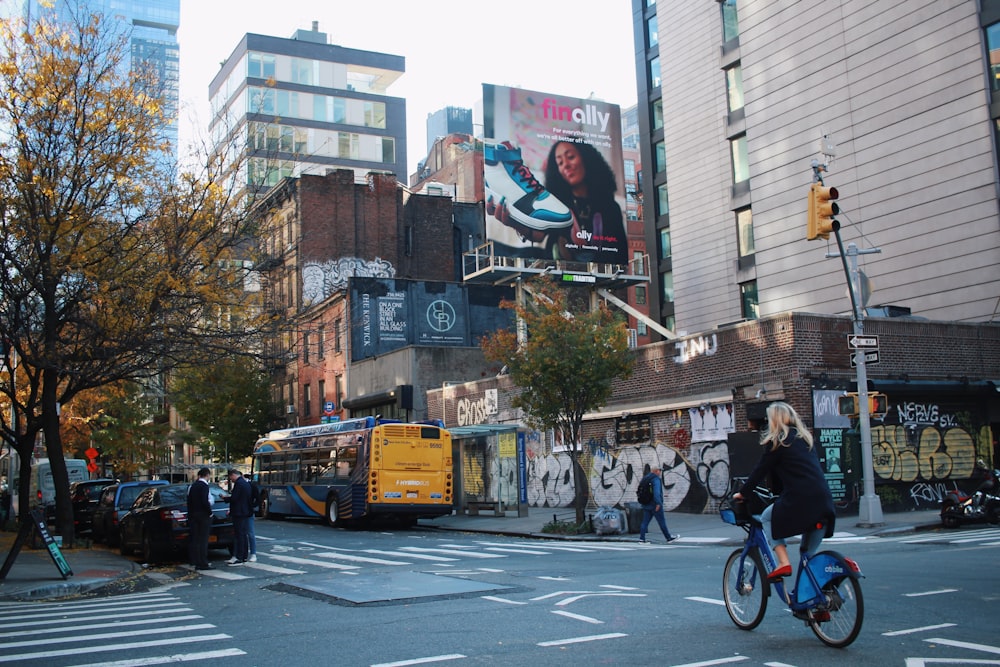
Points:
x=35 y=577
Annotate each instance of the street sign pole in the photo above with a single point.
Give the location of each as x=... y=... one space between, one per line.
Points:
x=869 y=505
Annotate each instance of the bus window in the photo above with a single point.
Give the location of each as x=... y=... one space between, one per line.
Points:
x=347 y=458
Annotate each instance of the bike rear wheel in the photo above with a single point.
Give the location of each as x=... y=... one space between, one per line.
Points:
x=846 y=608
x=744 y=589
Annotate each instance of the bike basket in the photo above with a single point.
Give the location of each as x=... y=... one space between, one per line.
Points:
x=728 y=515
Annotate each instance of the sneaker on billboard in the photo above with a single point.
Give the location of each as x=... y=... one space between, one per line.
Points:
x=509 y=182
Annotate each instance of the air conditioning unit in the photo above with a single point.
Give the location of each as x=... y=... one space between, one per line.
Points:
x=633 y=340
x=290 y=409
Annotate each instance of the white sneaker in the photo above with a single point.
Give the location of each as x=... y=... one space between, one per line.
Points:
x=508 y=181
x=235 y=562
x=253 y=558
x=232 y=560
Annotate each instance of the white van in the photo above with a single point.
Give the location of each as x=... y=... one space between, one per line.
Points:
x=43 y=490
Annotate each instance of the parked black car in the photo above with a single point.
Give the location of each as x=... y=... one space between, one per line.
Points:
x=115 y=500
x=84 y=496
x=157 y=523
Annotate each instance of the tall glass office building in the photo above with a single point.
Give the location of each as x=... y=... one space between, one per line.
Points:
x=152 y=28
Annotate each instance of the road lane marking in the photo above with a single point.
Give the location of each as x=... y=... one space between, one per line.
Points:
x=695 y=598
x=166 y=659
x=421 y=661
x=577 y=640
x=937 y=592
x=111 y=647
x=985 y=648
x=577 y=617
x=910 y=631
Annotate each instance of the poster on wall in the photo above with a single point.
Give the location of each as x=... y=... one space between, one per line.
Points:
x=554 y=175
x=830 y=444
x=711 y=423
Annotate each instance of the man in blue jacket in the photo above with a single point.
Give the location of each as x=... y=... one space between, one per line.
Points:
x=655 y=506
x=240 y=509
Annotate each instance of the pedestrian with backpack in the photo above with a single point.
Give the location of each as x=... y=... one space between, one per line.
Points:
x=650 y=496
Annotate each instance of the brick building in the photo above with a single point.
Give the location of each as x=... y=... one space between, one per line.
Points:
x=694 y=405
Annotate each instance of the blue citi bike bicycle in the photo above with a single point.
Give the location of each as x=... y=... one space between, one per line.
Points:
x=827 y=594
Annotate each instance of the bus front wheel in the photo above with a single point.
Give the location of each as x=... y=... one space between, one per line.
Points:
x=331 y=511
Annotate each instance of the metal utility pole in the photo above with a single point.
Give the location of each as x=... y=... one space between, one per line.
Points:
x=820 y=224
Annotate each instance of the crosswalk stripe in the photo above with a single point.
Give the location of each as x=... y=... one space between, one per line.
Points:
x=529 y=552
x=359 y=559
x=103 y=635
x=110 y=647
x=451 y=552
x=228 y=575
x=307 y=561
x=97 y=626
x=439 y=559
x=273 y=568
x=84 y=612
x=166 y=659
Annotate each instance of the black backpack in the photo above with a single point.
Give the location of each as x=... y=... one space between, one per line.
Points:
x=644 y=494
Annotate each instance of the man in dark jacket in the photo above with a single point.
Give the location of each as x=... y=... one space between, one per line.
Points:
x=199 y=505
x=240 y=509
x=654 y=508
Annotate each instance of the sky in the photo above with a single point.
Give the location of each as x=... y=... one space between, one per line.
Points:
x=575 y=48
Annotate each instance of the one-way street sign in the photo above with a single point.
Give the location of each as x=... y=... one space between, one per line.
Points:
x=871 y=357
x=862 y=342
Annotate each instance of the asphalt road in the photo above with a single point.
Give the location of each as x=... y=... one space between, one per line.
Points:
x=319 y=596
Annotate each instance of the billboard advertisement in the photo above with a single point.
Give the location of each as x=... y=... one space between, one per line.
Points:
x=554 y=176
x=390 y=313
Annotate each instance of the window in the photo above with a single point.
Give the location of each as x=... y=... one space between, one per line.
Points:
x=322 y=391
x=662 y=201
x=302 y=71
x=668 y=287
x=640 y=296
x=321 y=348
x=660 y=157
x=654 y=72
x=388 y=150
x=741 y=166
x=665 y=244
x=640 y=327
x=993 y=54
x=336 y=335
x=652 y=33
x=656 y=115
x=260 y=66
x=730 y=24
x=629 y=170
x=305 y=348
x=748 y=300
x=734 y=87
x=744 y=230
x=306 y=400
x=638 y=262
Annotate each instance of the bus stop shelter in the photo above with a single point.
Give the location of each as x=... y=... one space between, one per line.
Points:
x=490 y=469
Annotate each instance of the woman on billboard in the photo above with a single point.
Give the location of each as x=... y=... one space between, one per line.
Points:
x=579 y=176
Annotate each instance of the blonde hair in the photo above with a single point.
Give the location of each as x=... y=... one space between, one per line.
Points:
x=781 y=418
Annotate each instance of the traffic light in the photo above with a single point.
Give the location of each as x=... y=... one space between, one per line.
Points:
x=822 y=208
x=878 y=405
x=847 y=405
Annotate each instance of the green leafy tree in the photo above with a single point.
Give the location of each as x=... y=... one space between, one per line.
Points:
x=564 y=367
x=111 y=267
x=227 y=404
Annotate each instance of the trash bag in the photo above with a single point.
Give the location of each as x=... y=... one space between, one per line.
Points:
x=610 y=521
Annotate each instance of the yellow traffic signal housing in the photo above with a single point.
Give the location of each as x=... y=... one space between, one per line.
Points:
x=878 y=405
x=847 y=405
x=822 y=208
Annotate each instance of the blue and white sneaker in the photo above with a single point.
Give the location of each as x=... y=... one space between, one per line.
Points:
x=509 y=182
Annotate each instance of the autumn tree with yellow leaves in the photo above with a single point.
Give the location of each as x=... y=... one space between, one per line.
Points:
x=564 y=364
x=112 y=267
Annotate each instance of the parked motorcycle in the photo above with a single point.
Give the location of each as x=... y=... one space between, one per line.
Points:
x=982 y=505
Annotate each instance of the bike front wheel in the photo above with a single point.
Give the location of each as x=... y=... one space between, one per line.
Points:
x=745 y=589
x=845 y=608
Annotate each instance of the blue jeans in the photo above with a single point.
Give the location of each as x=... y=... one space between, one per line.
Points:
x=251 y=537
x=242 y=539
x=648 y=514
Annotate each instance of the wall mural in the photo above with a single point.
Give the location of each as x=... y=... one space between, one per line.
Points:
x=695 y=481
x=321 y=279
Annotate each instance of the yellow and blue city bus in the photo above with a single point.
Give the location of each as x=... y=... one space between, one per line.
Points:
x=356 y=470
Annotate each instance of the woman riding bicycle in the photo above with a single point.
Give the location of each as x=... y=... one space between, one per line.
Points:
x=805 y=504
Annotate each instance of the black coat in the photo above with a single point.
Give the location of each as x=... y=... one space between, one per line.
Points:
x=239 y=501
x=805 y=498
x=197 y=500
